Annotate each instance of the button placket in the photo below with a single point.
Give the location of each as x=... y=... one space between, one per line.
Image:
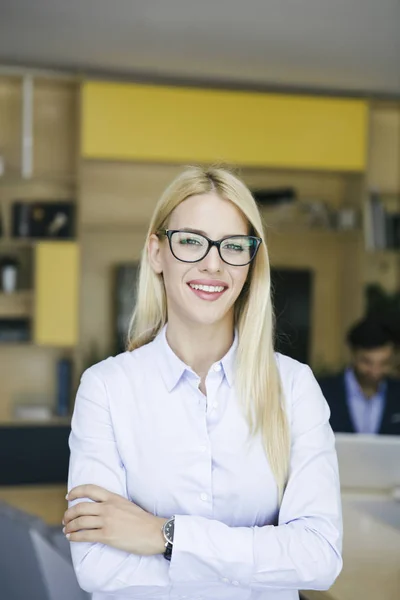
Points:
x=213 y=391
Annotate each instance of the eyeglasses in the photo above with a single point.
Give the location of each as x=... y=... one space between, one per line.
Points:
x=190 y=247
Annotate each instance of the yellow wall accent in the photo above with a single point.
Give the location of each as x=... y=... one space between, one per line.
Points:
x=56 y=306
x=185 y=125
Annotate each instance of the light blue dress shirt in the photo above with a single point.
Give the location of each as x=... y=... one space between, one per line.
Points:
x=142 y=428
x=366 y=413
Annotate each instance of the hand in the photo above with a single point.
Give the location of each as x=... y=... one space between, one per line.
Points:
x=114 y=521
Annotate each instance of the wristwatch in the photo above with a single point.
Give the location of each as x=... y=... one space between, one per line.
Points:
x=168 y=532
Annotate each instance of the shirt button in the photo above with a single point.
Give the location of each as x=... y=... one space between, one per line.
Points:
x=204 y=497
x=217 y=367
x=235 y=582
x=225 y=580
x=203 y=448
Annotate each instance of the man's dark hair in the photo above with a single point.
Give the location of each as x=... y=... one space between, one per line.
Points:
x=368 y=334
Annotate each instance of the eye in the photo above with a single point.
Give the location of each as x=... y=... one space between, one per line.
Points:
x=237 y=245
x=234 y=247
x=190 y=241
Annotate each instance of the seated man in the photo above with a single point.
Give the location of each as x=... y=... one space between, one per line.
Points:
x=363 y=398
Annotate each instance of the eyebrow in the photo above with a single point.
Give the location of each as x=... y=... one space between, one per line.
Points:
x=201 y=232
x=191 y=230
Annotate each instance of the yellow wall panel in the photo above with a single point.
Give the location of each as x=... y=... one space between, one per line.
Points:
x=56 y=306
x=169 y=124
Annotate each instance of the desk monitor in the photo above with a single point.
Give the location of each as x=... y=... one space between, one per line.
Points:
x=368 y=462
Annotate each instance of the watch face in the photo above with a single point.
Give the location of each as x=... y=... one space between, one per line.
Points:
x=169 y=530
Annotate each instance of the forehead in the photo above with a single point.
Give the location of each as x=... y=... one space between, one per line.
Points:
x=209 y=213
x=376 y=354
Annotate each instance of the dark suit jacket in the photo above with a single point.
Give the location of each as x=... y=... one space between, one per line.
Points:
x=334 y=390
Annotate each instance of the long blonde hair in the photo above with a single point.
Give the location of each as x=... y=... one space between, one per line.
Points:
x=257 y=380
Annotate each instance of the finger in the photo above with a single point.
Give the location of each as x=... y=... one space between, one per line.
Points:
x=81 y=509
x=86 y=523
x=86 y=535
x=94 y=492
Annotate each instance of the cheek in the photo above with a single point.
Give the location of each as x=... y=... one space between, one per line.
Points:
x=169 y=281
x=239 y=277
x=173 y=274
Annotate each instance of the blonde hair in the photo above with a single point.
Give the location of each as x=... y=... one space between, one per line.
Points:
x=257 y=380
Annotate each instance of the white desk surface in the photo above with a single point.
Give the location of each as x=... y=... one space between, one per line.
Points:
x=371 y=555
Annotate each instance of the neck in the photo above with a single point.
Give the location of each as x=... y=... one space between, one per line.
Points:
x=200 y=346
x=368 y=389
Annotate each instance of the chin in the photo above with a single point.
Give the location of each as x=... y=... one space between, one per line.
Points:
x=207 y=317
x=206 y=320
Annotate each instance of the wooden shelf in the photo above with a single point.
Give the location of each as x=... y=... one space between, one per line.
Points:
x=16 y=243
x=312 y=231
x=8 y=242
x=18 y=304
x=16 y=180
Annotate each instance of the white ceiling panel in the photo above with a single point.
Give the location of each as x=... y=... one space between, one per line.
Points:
x=351 y=45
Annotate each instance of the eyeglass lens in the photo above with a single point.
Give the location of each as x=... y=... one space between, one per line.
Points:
x=191 y=247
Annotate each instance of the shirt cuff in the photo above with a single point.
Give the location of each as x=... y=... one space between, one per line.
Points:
x=210 y=551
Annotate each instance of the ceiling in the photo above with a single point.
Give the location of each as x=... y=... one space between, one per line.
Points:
x=342 y=45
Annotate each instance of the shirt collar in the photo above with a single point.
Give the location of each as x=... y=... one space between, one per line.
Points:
x=355 y=389
x=228 y=361
x=173 y=368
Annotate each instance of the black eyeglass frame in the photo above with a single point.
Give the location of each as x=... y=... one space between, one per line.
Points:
x=217 y=243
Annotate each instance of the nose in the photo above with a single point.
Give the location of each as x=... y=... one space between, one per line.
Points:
x=212 y=262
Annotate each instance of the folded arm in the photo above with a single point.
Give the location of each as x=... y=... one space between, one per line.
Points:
x=302 y=552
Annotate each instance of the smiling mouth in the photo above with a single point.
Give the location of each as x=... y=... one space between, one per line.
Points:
x=210 y=289
x=207 y=292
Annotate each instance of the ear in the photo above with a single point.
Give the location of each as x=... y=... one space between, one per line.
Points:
x=154 y=253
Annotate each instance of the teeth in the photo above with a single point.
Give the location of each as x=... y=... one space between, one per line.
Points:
x=207 y=288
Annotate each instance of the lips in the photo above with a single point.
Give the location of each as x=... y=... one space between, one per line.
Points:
x=208 y=289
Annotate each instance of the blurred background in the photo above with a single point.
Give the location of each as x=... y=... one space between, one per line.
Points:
x=101 y=104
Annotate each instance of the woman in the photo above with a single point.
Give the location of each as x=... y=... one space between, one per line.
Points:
x=202 y=463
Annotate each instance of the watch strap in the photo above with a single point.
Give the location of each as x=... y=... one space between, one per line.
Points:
x=168 y=545
x=168 y=551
